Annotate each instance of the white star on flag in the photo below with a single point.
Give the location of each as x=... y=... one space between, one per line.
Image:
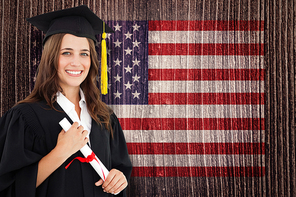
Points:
x=117 y=62
x=136 y=62
x=128 y=51
x=98 y=44
x=117 y=94
x=117 y=43
x=108 y=69
x=136 y=94
x=128 y=69
x=108 y=35
x=136 y=27
x=117 y=78
x=128 y=85
x=136 y=43
x=136 y=78
x=117 y=27
x=128 y=35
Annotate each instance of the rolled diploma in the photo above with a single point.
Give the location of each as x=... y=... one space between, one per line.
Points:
x=86 y=151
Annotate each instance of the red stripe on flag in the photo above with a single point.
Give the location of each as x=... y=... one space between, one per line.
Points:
x=196 y=148
x=205 y=74
x=205 y=98
x=205 y=49
x=198 y=171
x=207 y=25
x=192 y=123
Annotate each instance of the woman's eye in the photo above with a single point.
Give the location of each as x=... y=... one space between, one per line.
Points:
x=84 y=54
x=66 y=53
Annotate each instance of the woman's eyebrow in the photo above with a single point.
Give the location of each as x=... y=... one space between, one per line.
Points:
x=66 y=49
x=73 y=49
x=85 y=50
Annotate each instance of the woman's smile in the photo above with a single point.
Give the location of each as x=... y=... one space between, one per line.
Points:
x=74 y=61
x=74 y=73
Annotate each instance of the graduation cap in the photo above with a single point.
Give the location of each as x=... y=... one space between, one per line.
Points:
x=79 y=21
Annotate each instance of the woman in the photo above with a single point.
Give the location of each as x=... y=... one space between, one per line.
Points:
x=34 y=150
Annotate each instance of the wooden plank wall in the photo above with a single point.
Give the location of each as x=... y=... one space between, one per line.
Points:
x=280 y=45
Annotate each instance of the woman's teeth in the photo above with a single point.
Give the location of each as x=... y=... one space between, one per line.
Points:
x=74 y=72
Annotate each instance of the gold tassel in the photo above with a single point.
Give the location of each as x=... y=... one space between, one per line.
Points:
x=104 y=75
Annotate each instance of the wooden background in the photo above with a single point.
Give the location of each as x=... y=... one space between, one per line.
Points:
x=280 y=45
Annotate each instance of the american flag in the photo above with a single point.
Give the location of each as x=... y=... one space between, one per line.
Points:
x=189 y=96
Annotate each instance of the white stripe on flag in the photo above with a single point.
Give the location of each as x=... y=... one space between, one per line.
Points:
x=205 y=86
x=205 y=62
x=194 y=136
x=197 y=160
x=206 y=37
x=188 y=111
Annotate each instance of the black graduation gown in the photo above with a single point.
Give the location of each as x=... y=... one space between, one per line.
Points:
x=29 y=131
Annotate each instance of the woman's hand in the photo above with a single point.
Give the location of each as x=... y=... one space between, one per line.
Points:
x=68 y=143
x=71 y=141
x=114 y=183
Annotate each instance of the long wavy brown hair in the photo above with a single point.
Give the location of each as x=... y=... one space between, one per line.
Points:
x=47 y=81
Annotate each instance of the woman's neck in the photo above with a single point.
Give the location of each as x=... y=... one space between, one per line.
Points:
x=72 y=95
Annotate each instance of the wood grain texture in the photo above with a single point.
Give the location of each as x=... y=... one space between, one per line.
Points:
x=280 y=97
x=17 y=68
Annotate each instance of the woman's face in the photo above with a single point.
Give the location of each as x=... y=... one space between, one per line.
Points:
x=74 y=61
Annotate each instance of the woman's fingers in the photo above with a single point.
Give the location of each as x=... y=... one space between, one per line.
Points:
x=115 y=182
x=72 y=140
x=100 y=182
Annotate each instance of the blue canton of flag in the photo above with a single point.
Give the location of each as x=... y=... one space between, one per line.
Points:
x=127 y=50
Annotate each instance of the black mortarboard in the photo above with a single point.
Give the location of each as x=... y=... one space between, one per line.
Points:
x=79 y=21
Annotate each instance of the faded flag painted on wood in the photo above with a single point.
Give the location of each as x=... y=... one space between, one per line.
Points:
x=190 y=96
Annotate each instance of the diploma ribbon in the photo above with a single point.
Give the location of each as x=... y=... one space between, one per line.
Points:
x=88 y=154
x=88 y=159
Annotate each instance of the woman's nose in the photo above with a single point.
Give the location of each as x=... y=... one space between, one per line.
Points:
x=75 y=61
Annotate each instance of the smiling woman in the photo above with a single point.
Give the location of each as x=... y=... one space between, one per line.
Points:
x=74 y=63
x=65 y=87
